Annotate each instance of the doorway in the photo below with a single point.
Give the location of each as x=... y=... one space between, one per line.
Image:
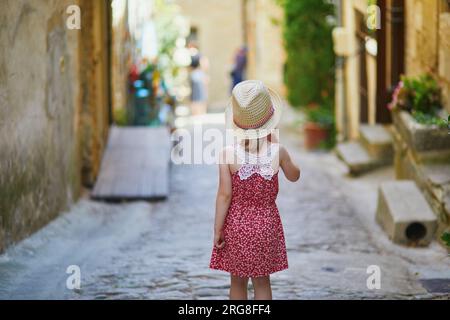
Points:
x=391 y=53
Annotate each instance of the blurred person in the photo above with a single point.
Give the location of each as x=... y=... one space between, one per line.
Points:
x=198 y=82
x=249 y=239
x=240 y=63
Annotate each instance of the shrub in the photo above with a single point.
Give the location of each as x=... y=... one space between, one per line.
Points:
x=309 y=69
x=420 y=96
x=445 y=237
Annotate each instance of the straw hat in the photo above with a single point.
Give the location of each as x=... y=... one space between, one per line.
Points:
x=254 y=110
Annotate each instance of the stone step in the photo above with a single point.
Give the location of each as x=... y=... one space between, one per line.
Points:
x=404 y=214
x=378 y=142
x=356 y=157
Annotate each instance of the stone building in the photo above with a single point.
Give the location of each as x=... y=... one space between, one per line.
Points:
x=54 y=107
x=407 y=38
x=60 y=83
x=121 y=42
x=222 y=27
x=422 y=154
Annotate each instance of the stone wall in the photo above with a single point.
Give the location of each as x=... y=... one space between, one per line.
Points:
x=444 y=57
x=42 y=65
x=219 y=25
x=421 y=35
x=94 y=84
x=120 y=58
x=265 y=42
x=423 y=153
x=427 y=41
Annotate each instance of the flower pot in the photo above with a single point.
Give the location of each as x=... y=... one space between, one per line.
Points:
x=315 y=135
x=420 y=137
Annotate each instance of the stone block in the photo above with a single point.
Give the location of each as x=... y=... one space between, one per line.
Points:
x=421 y=137
x=437 y=179
x=404 y=213
x=355 y=157
x=401 y=149
x=377 y=140
x=447 y=205
x=432 y=179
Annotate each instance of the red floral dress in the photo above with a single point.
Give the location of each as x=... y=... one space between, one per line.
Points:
x=254 y=237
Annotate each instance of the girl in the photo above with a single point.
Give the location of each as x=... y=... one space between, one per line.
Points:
x=248 y=234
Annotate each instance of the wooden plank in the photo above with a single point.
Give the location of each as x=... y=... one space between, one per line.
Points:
x=135 y=165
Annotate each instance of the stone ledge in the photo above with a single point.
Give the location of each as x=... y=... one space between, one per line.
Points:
x=428 y=179
x=355 y=157
x=418 y=136
x=375 y=134
x=378 y=141
x=438 y=179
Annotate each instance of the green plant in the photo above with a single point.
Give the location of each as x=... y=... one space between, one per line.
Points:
x=421 y=96
x=309 y=67
x=424 y=94
x=321 y=116
x=429 y=119
x=445 y=237
x=170 y=26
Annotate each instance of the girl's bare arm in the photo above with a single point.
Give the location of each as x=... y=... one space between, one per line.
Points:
x=222 y=201
x=290 y=169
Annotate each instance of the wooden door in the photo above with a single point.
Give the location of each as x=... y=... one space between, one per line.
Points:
x=391 y=54
x=361 y=37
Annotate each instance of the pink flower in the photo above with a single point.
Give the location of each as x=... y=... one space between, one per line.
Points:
x=395 y=96
x=391 y=106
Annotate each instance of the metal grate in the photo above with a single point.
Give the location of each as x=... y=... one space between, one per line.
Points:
x=436 y=285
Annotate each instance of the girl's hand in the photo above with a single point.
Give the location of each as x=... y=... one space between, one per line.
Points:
x=219 y=240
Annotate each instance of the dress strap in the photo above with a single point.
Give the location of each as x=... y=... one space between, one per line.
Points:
x=274 y=150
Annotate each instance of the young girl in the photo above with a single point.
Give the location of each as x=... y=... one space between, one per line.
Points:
x=248 y=234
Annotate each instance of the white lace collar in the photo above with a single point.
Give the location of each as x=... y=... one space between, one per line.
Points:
x=259 y=164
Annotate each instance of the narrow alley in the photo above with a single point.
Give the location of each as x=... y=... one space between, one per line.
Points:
x=161 y=250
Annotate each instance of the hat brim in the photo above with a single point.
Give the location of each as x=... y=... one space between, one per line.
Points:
x=259 y=132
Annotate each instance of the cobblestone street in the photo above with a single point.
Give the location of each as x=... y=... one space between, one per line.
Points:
x=161 y=250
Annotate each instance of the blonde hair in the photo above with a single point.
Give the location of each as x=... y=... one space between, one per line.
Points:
x=259 y=142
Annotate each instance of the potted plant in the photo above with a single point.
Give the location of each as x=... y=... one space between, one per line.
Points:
x=319 y=127
x=418 y=113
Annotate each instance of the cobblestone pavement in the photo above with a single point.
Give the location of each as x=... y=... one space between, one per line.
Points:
x=161 y=250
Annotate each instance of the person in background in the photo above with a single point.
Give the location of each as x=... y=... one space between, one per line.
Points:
x=198 y=87
x=240 y=64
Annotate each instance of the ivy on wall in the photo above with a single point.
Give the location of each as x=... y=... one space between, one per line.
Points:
x=309 y=69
